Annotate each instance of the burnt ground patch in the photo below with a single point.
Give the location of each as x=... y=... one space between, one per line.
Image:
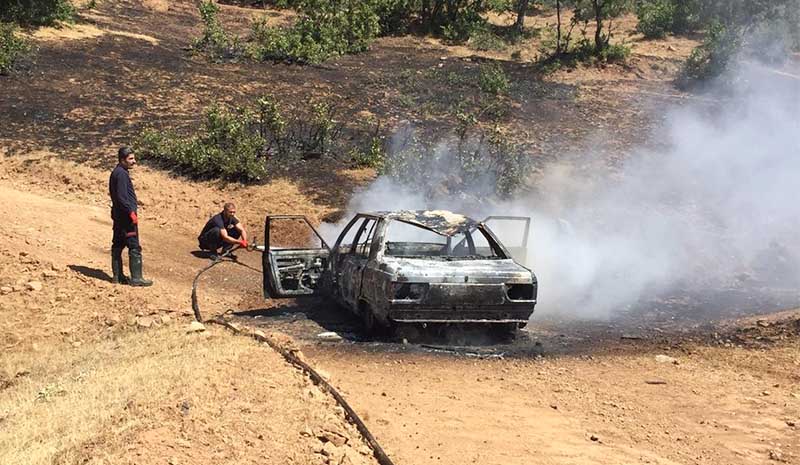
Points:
x=83 y=97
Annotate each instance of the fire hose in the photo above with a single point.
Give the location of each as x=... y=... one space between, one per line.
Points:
x=288 y=355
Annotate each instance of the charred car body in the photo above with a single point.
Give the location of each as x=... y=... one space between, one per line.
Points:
x=408 y=267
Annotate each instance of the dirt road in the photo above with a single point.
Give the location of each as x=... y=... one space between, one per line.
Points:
x=604 y=401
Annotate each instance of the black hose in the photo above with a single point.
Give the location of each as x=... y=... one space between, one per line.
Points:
x=293 y=359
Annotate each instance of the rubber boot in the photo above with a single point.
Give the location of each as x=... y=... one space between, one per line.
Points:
x=117 y=276
x=135 y=257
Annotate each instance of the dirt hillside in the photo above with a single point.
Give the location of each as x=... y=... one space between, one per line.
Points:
x=96 y=373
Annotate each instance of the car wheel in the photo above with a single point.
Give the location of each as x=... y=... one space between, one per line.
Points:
x=368 y=319
x=504 y=332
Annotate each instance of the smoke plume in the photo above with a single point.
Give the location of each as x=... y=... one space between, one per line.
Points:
x=715 y=207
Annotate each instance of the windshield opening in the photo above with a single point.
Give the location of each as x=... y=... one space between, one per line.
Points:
x=412 y=241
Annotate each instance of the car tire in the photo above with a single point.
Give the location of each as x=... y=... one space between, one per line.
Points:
x=368 y=319
x=505 y=332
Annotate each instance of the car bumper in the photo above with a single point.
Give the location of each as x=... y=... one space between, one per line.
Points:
x=483 y=314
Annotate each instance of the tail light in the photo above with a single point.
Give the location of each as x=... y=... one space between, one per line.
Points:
x=409 y=291
x=520 y=291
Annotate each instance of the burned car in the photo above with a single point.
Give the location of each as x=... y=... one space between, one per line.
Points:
x=400 y=267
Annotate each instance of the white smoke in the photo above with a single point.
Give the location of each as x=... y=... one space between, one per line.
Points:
x=717 y=207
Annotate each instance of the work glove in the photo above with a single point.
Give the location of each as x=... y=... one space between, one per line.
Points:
x=134 y=218
x=243 y=243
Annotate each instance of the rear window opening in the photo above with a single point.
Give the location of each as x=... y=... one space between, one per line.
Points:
x=411 y=241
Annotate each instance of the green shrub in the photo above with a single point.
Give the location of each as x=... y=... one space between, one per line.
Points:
x=36 y=12
x=475 y=164
x=711 y=58
x=241 y=143
x=226 y=147
x=395 y=17
x=215 y=41
x=466 y=23
x=656 y=18
x=12 y=47
x=326 y=28
x=483 y=39
x=493 y=80
x=615 y=53
x=373 y=156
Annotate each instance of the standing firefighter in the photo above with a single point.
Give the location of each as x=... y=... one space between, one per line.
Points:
x=126 y=223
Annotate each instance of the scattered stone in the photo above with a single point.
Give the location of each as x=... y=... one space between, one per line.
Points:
x=329 y=336
x=165 y=319
x=112 y=320
x=145 y=322
x=337 y=439
x=49 y=274
x=776 y=455
x=17 y=288
x=765 y=393
x=195 y=327
x=6 y=290
x=259 y=334
x=666 y=359
x=791 y=423
x=330 y=450
x=554 y=406
x=34 y=286
x=594 y=438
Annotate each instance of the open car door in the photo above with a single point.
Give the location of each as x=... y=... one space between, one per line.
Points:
x=295 y=257
x=513 y=232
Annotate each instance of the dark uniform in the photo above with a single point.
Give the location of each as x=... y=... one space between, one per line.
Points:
x=123 y=202
x=126 y=230
x=210 y=237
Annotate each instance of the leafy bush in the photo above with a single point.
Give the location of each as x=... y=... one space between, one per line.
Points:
x=711 y=58
x=485 y=39
x=12 y=47
x=327 y=28
x=240 y=143
x=36 y=12
x=493 y=80
x=225 y=147
x=615 y=53
x=656 y=18
x=215 y=41
x=460 y=28
x=373 y=157
x=395 y=17
x=475 y=164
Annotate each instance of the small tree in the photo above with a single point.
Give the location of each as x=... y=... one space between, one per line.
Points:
x=522 y=8
x=600 y=11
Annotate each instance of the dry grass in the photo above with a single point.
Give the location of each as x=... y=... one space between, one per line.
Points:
x=108 y=388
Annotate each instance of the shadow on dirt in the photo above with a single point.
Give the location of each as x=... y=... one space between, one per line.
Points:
x=94 y=273
x=314 y=320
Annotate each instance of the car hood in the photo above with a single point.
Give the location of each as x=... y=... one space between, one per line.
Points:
x=456 y=271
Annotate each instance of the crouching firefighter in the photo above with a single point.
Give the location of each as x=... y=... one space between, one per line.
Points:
x=223 y=231
x=126 y=222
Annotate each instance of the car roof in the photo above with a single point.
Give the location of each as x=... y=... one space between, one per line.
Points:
x=441 y=222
